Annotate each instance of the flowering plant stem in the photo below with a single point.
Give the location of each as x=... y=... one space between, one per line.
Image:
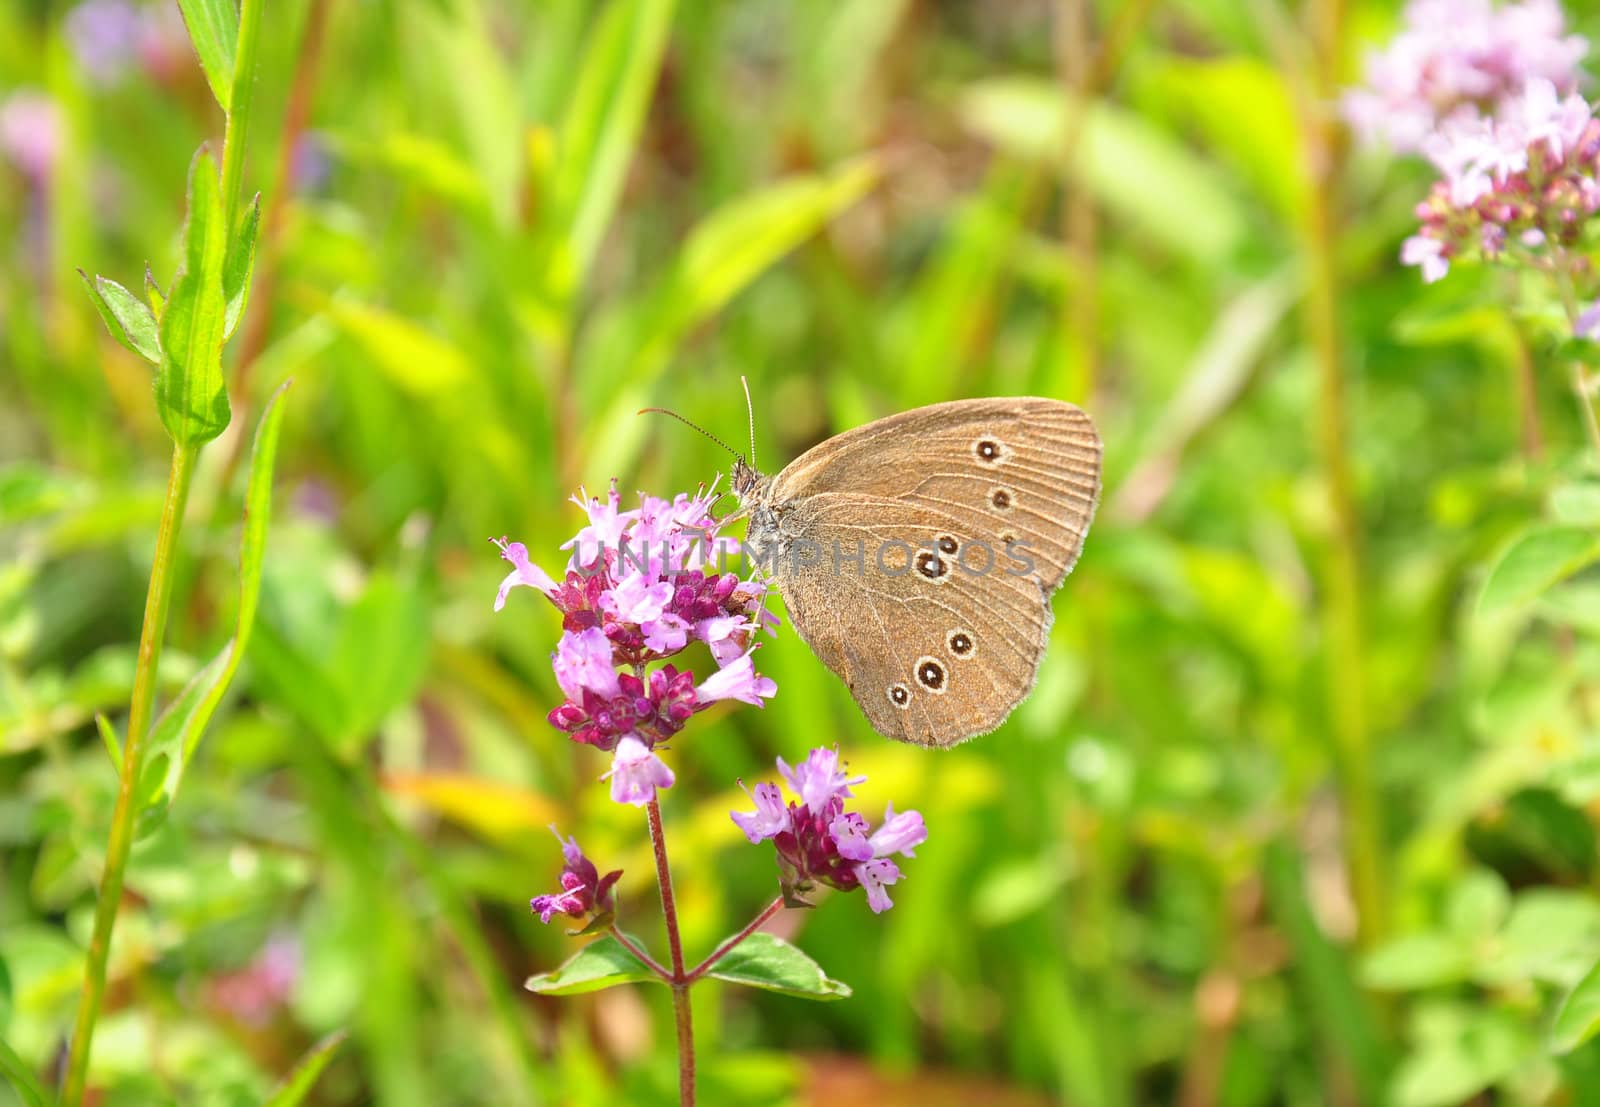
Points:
x=678 y=977
x=120 y=841
x=679 y=980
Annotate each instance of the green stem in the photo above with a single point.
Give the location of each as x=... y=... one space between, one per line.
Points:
x=123 y=817
x=1346 y=667
x=237 y=133
x=680 y=981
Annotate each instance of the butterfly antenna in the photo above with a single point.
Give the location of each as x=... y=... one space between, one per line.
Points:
x=696 y=426
x=750 y=416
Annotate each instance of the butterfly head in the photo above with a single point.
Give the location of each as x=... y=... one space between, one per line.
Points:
x=748 y=484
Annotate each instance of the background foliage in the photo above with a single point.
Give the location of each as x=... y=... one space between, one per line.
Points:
x=491 y=231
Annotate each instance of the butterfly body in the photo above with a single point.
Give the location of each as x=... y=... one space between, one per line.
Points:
x=917 y=555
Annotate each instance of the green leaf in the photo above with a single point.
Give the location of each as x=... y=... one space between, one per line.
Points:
x=16 y=1070
x=765 y=961
x=126 y=317
x=601 y=128
x=744 y=238
x=178 y=731
x=1417 y=961
x=1577 y=504
x=1578 y=1018
x=604 y=963
x=414 y=358
x=108 y=735
x=1131 y=166
x=297 y=1085
x=1540 y=558
x=238 y=266
x=214 y=30
x=191 y=394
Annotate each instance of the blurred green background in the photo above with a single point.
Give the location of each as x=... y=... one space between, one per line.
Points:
x=493 y=230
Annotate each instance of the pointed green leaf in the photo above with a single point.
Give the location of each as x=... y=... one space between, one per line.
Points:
x=1537 y=561
x=152 y=291
x=297 y=1085
x=214 y=30
x=178 y=731
x=126 y=317
x=16 y=1071
x=239 y=265
x=604 y=963
x=741 y=240
x=108 y=735
x=766 y=961
x=602 y=125
x=1578 y=1018
x=191 y=395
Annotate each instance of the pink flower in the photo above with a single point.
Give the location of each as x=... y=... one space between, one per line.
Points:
x=1526 y=181
x=738 y=680
x=526 y=572
x=819 y=779
x=636 y=773
x=582 y=887
x=769 y=818
x=818 y=841
x=30 y=132
x=637 y=600
x=1588 y=323
x=583 y=663
x=1428 y=253
x=1455 y=57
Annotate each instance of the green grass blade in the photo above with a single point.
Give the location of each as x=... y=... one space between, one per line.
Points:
x=601 y=129
x=21 y=1079
x=298 y=1084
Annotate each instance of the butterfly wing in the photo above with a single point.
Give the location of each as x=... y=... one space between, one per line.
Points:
x=933 y=653
x=968 y=515
x=1025 y=469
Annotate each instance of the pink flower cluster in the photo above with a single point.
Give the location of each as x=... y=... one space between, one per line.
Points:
x=818 y=840
x=1460 y=59
x=583 y=889
x=640 y=586
x=1517 y=183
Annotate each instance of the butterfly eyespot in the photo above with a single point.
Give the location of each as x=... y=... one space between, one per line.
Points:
x=1001 y=498
x=960 y=643
x=931 y=565
x=899 y=695
x=988 y=450
x=931 y=674
x=948 y=544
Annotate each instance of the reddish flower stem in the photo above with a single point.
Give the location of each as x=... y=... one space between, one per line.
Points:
x=722 y=951
x=638 y=951
x=679 y=981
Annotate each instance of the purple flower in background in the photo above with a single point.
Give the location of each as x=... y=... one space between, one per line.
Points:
x=30 y=133
x=1458 y=59
x=104 y=36
x=111 y=37
x=1525 y=181
x=819 y=841
x=255 y=992
x=583 y=889
x=1588 y=323
x=640 y=586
